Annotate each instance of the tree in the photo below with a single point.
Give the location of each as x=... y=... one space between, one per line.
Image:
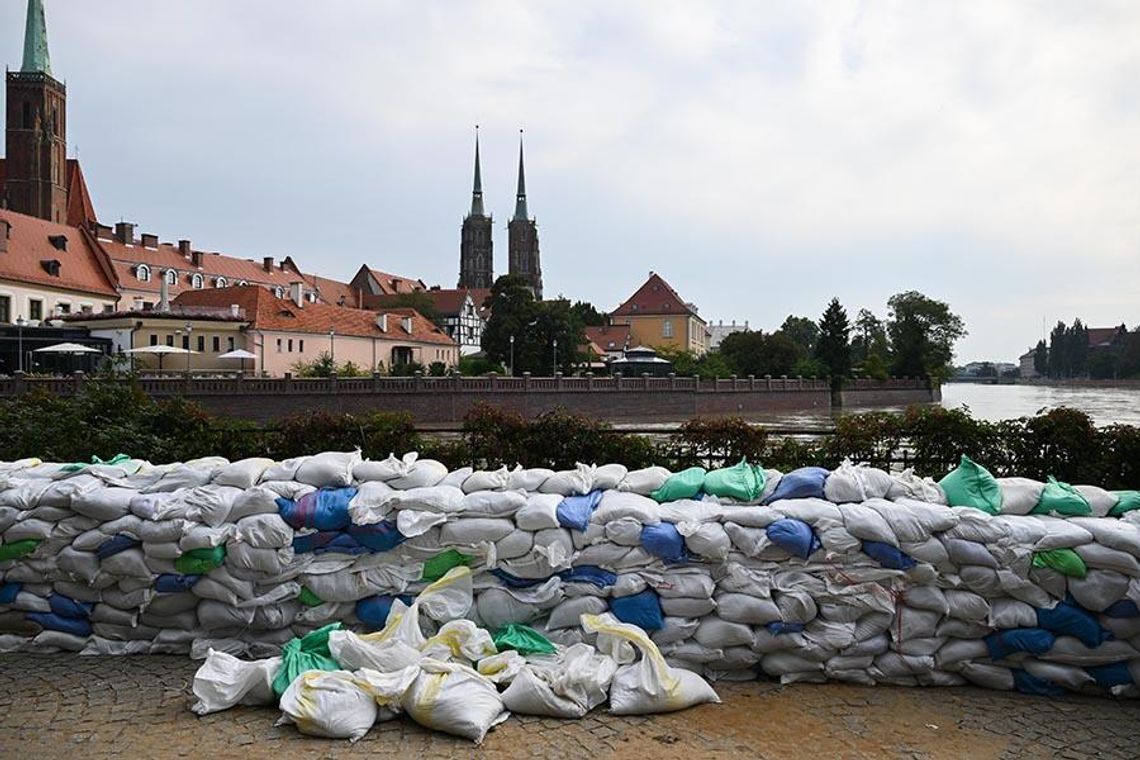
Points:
x=833 y=348
x=756 y=353
x=870 y=337
x=923 y=332
x=419 y=300
x=587 y=314
x=537 y=328
x=802 y=331
x=1041 y=359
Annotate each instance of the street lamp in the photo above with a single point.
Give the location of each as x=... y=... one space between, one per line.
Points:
x=20 y=321
x=332 y=346
x=555 y=357
x=512 y=356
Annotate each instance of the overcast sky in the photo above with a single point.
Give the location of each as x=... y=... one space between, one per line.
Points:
x=762 y=156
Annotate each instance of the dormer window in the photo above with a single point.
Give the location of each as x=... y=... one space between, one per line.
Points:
x=278 y=292
x=196 y=281
x=171 y=276
x=242 y=283
x=220 y=282
x=51 y=266
x=142 y=272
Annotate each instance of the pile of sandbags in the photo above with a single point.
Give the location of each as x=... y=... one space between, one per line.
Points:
x=854 y=574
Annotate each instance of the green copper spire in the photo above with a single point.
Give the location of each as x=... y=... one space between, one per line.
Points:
x=37 y=60
x=520 y=197
x=477 y=191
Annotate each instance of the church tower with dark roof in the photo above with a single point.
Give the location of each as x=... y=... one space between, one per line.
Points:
x=476 y=250
x=522 y=233
x=36 y=181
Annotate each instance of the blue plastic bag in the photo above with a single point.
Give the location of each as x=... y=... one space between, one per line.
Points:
x=664 y=541
x=380 y=537
x=575 y=511
x=1028 y=683
x=778 y=627
x=1067 y=619
x=794 y=536
x=116 y=544
x=589 y=574
x=171 y=583
x=1125 y=608
x=54 y=622
x=325 y=509
x=68 y=607
x=642 y=610
x=373 y=610
x=888 y=556
x=1031 y=640
x=1113 y=674
x=804 y=483
x=8 y=591
x=514 y=581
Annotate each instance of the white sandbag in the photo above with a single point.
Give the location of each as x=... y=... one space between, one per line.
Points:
x=487 y=480
x=1100 y=501
x=1019 y=496
x=907 y=485
x=447 y=499
x=529 y=480
x=104 y=504
x=501 y=668
x=609 y=476
x=385 y=469
x=539 y=512
x=224 y=681
x=708 y=540
x=265 y=531
x=574 y=482
x=454 y=699
x=566 y=685
x=329 y=469
x=492 y=503
x=242 y=474
x=475 y=530
x=615 y=505
x=568 y=614
x=459 y=641
x=338 y=704
x=372 y=503
x=517 y=544
x=423 y=473
x=644 y=481
x=851 y=483
x=381 y=652
x=650 y=685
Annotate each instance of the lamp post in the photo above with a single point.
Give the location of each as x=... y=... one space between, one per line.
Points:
x=512 y=356
x=332 y=346
x=20 y=341
x=555 y=357
x=189 y=329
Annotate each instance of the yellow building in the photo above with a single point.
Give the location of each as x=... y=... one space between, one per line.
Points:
x=658 y=317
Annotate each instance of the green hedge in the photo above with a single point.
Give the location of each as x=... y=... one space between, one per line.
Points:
x=104 y=419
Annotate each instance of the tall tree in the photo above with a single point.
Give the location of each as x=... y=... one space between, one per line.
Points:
x=588 y=314
x=870 y=337
x=543 y=332
x=755 y=353
x=801 y=331
x=923 y=332
x=834 y=346
x=1041 y=359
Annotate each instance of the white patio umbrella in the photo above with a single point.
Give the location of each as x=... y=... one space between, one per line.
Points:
x=160 y=351
x=67 y=348
x=238 y=353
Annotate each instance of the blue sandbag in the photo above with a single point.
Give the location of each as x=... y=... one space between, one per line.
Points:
x=8 y=591
x=575 y=511
x=794 y=536
x=1067 y=619
x=373 y=610
x=888 y=556
x=642 y=610
x=778 y=627
x=171 y=583
x=589 y=574
x=54 y=622
x=804 y=483
x=1125 y=608
x=514 y=581
x=1112 y=674
x=116 y=544
x=310 y=542
x=665 y=542
x=325 y=509
x=67 y=607
x=380 y=537
x=1030 y=640
x=1028 y=683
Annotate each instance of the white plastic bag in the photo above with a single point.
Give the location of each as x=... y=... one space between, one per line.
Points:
x=224 y=681
x=454 y=699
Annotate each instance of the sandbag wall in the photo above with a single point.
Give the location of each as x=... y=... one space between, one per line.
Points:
x=855 y=575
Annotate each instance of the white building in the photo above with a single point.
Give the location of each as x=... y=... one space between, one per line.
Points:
x=720 y=331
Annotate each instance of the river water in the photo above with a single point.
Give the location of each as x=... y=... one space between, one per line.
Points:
x=1106 y=406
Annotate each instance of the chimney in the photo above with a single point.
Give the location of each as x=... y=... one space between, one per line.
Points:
x=5 y=233
x=149 y=241
x=138 y=304
x=235 y=310
x=164 y=294
x=267 y=263
x=297 y=294
x=196 y=259
x=103 y=232
x=125 y=233
x=184 y=248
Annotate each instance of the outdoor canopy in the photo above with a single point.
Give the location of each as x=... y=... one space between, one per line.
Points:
x=67 y=348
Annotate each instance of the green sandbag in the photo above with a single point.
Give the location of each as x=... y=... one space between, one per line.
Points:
x=1062 y=499
x=1065 y=561
x=200 y=561
x=523 y=639
x=18 y=549
x=308 y=598
x=681 y=485
x=309 y=652
x=971 y=485
x=744 y=482
x=438 y=566
x=1126 y=501
x=77 y=466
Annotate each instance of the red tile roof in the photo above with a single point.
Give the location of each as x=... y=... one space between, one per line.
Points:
x=81 y=267
x=1102 y=336
x=609 y=337
x=374 y=282
x=334 y=292
x=266 y=312
x=654 y=297
x=446 y=302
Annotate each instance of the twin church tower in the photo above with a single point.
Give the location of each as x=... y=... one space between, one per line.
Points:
x=476 y=250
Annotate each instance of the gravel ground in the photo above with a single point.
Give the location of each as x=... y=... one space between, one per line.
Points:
x=61 y=706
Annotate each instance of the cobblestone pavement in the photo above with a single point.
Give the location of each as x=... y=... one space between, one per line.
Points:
x=60 y=706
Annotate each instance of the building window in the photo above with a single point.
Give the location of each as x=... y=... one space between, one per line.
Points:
x=5 y=309
x=278 y=345
x=278 y=292
x=220 y=282
x=201 y=343
x=290 y=345
x=63 y=308
x=35 y=309
x=301 y=345
x=143 y=273
x=230 y=343
x=170 y=340
x=667 y=328
x=27 y=115
x=242 y=283
x=186 y=342
x=196 y=281
x=153 y=339
x=171 y=276
x=217 y=344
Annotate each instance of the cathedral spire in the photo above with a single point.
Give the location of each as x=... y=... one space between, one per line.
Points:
x=477 y=190
x=520 y=197
x=36 y=57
